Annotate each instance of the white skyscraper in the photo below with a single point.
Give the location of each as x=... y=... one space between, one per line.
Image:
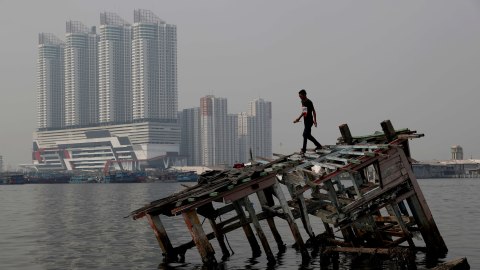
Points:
x=261 y=131
x=114 y=68
x=50 y=81
x=81 y=75
x=190 y=135
x=244 y=136
x=232 y=145
x=213 y=119
x=154 y=67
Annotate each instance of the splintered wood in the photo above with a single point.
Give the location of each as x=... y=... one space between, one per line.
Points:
x=363 y=190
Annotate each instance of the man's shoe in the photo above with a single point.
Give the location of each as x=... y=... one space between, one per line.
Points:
x=302 y=152
x=318 y=148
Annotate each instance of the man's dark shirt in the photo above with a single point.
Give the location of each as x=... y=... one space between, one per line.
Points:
x=307 y=109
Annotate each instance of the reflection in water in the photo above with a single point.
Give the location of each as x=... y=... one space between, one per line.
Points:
x=83 y=227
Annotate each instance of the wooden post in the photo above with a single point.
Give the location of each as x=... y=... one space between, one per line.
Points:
x=291 y=222
x=220 y=238
x=258 y=228
x=256 y=251
x=300 y=200
x=398 y=215
x=420 y=211
x=198 y=235
x=162 y=238
x=346 y=135
x=271 y=222
x=388 y=130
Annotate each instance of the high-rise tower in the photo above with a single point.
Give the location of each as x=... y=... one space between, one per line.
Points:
x=190 y=135
x=154 y=67
x=261 y=130
x=114 y=69
x=50 y=81
x=213 y=123
x=81 y=76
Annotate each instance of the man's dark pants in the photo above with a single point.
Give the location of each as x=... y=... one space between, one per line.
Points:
x=307 y=134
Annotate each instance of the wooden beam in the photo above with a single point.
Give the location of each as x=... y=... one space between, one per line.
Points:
x=271 y=222
x=162 y=238
x=220 y=238
x=291 y=222
x=258 y=228
x=207 y=253
x=256 y=251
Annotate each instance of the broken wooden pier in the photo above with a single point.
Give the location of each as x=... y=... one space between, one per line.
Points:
x=363 y=190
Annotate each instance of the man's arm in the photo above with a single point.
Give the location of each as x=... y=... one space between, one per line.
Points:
x=298 y=119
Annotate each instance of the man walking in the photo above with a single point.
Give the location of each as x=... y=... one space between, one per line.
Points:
x=309 y=118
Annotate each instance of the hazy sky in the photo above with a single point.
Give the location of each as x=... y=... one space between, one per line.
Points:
x=416 y=63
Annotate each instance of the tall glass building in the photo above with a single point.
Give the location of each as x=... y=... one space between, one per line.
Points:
x=114 y=69
x=81 y=74
x=154 y=67
x=50 y=81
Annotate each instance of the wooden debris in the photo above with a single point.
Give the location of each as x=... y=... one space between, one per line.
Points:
x=382 y=208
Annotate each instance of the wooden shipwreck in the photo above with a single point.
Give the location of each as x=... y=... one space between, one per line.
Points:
x=378 y=212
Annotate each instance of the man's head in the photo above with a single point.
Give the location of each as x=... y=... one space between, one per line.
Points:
x=302 y=94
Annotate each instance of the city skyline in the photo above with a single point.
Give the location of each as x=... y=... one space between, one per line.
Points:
x=408 y=62
x=123 y=73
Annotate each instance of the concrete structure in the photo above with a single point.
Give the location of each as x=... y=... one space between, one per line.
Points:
x=154 y=142
x=115 y=69
x=457 y=152
x=50 y=81
x=213 y=118
x=190 y=135
x=81 y=75
x=447 y=169
x=154 y=67
x=97 y=151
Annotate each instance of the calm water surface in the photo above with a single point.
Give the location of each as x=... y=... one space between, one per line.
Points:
x=67 y=226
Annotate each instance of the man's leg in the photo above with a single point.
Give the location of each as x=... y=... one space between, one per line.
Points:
x=311 y=138
x=306 y=134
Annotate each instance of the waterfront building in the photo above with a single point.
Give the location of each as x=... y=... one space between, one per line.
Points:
x=97 y=151
x=154 y=143
x=50 y=81
x=232 y=145
x=114 y=69
x=190 y=135
x=154 y=67
x=261 y=129
x=457 y=152
x=81 y=74
x=245 y=123
x=213 y=118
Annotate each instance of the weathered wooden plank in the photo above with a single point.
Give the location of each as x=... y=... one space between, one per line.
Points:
x=247 y=229
x=291 y=222
x=198 y=235
x=388 y=130
x=271 y=222
x=455 y=264
x=220 y=238
x=420 y=210
x=259 y=230
x=162 y=238
x=346 y=135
